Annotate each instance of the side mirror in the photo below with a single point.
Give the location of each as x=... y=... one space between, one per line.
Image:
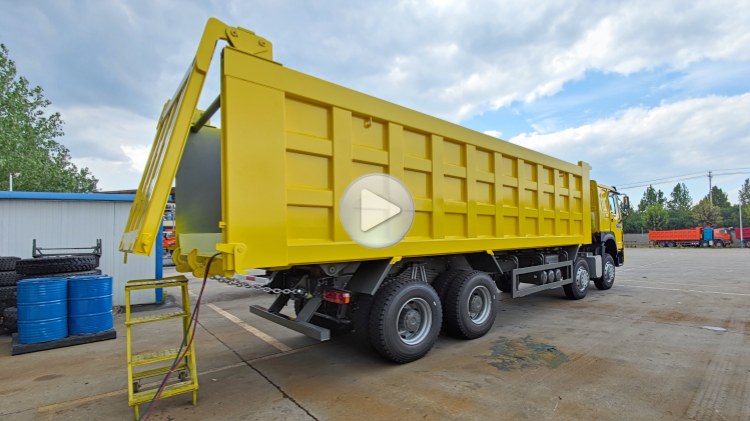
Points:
x=626 y=201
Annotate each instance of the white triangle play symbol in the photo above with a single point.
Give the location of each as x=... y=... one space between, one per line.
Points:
x=375 y=210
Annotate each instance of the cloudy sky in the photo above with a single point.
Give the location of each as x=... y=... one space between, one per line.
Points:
x=642 y=90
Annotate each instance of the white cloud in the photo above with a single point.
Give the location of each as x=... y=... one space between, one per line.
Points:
x=113 y=142
x=106 y=65
x=496 y=53
x=137 y=156
x=493 y=133
x=640 y=144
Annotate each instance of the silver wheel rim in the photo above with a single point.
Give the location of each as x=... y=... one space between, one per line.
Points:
x=414 y=321
x=609 y=273
x=582 y=279
x=479 y=304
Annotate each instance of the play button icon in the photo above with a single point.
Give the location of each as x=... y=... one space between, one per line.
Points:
x=374 y=210
x=377 y=210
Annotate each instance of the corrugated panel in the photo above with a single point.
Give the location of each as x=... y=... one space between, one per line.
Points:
x=70 y=223
x=307 y=139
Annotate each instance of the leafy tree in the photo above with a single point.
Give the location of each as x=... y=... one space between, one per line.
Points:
x=729 y=213
x=651 y=197
x=633 y=222
x=679 y=207
x=705 y=214
x=721 y=199
x=27 y=139
x=745 y=192
x=744 y=197
x=680 y=198
x=655 y=217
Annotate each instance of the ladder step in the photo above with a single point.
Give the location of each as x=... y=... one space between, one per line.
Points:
x=172 y=281
x=171 y=390
x=156 y=356
x=158 y=371
x=156 y=317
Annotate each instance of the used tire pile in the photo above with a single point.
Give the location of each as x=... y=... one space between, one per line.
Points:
x=13 y=269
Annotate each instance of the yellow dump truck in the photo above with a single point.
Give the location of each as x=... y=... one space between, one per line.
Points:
x=368 y=216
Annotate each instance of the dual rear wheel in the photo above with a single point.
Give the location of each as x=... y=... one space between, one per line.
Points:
x=406 y=316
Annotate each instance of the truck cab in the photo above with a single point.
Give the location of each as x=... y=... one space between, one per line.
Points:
x=607 y=216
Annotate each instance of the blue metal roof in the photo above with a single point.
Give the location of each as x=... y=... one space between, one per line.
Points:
x=97 y=197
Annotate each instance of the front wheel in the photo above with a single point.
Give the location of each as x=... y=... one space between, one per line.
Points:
x=608 y=275
x=405 y=320
x=581 y=278
x=719 y=243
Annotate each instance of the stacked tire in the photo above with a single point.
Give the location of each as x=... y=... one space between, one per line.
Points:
x=8 y=279
x=13 y=269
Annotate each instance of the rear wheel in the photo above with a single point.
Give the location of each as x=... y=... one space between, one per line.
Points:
x=470 y=305
x=443 y=282
x=581 y=278
x=405 y=320
x=608 y=274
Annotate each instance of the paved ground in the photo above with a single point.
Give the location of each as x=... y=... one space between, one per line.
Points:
x=670 y=341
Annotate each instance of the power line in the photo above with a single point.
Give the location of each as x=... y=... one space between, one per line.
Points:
x=679 y=178
x=665 y=179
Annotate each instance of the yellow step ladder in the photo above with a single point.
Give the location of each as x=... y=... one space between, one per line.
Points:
x=187 y=374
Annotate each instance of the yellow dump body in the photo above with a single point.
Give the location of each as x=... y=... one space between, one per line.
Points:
x=265 y=188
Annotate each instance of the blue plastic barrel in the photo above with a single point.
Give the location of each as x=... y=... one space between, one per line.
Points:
x=42 y=309
x=89 y=304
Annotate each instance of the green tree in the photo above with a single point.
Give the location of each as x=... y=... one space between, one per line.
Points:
x=729 y=213
x=745 y=192
x=651 y=197
x=720 y=198
x=633 y=222
x=744 y=197
x=655 y=217
x=679 y=206
x=27 y=139
x=705 y=214
x=631 y=219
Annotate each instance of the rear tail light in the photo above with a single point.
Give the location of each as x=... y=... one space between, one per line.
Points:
x=336 y=296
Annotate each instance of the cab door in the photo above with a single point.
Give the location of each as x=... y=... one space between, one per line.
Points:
x=615 y=218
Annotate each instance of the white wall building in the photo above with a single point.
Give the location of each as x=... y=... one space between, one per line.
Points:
x=78 y=220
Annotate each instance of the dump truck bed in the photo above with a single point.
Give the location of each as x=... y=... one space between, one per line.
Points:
x=265 y=188
x=689 y=234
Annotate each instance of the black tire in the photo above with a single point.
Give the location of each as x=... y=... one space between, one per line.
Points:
x=719 y=243
x=443 y=282
x=8 y=296
x=8 y=263
x=69 y=274
x=8 y=278
x=581 y=277
x=405 y=320
x=608 y=274
x=470 y=305
x=56 y=264
x=10 y=319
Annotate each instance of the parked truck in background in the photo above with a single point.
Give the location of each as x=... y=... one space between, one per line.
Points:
x=743 y=236
x=265 y=190
x=691 y=237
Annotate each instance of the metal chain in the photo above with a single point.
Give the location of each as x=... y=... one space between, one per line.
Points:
x=241 y=283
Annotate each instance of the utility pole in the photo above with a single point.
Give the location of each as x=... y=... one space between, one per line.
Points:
x=710 y=188
x=742 y=240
